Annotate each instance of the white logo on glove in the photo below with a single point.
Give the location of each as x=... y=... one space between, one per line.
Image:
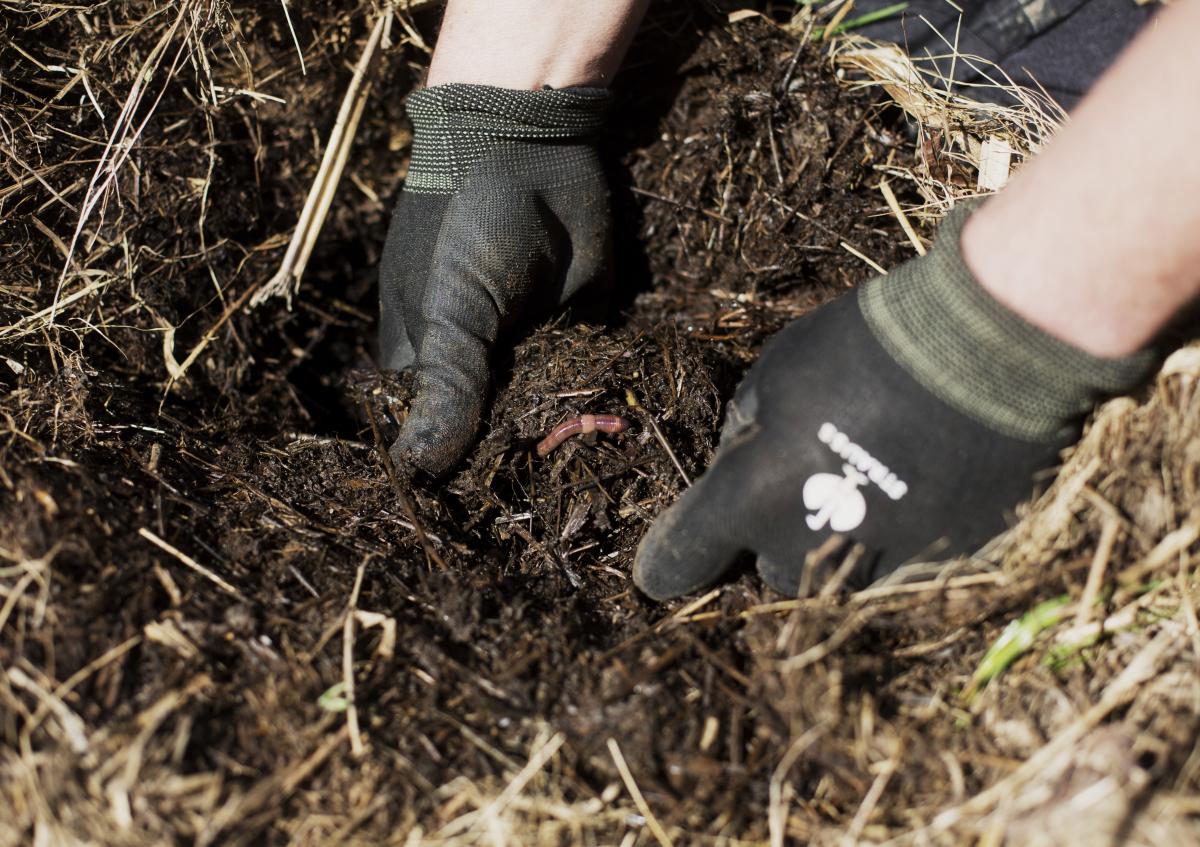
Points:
x=862 y=461
x=836 y=500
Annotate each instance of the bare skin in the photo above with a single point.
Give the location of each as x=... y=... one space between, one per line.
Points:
x=1097 y=241
x=1094 y=241
x=530 y=44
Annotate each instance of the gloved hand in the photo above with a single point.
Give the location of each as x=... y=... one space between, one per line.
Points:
x=505 y=213
x=909 y=416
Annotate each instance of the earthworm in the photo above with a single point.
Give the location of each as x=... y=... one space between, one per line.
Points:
x=581 y=425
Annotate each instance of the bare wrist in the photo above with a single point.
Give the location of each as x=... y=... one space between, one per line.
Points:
x=532 y=44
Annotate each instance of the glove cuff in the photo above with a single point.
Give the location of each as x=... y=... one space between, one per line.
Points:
x=976 y=355
x=456 y=125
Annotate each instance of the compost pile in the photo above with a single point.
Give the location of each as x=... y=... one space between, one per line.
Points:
x=225 y=619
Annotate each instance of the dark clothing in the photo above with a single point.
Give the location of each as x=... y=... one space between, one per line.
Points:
x=1062 y=44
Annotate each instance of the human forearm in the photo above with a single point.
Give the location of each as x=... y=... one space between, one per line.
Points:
x=1095 y=240
x=531 y=44
x=505 y=208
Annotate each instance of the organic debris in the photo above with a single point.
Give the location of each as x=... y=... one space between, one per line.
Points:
x=225 y=619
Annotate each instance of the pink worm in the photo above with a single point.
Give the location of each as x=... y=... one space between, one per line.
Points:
x=581 y=425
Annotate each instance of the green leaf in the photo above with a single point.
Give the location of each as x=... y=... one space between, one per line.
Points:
x=1016 y=639
x=334 y=699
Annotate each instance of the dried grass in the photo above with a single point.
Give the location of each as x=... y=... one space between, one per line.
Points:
x=956 y=133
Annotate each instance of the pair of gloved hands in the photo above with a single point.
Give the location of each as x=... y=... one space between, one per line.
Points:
x=908 y=416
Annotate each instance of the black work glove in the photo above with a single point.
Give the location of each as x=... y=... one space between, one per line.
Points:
x=504 y=214
x=909 y=416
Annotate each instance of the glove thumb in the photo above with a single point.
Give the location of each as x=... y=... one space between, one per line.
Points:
x=451 y=384
x=460 y=322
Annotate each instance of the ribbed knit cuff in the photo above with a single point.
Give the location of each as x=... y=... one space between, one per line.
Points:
x=455 y=125
x=976 y=355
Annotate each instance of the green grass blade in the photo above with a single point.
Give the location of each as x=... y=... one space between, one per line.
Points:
x=334 y=699
x=862 y=20
x=1016 y=639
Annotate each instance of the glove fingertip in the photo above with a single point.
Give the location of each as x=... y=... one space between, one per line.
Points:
x=656 y=570
x=435 y=449
x=674 y=558
x=781 y=575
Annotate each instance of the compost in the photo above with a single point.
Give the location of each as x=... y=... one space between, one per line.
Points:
x=225 y=618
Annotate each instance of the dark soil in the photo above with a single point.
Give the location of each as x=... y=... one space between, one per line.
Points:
x=740 y=168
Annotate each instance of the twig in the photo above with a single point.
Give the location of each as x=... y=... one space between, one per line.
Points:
x=692 y=607
x=869 y=803
x=850 y=136
x=65 y=688
x=849 y=561
x=511 y=791
x=1183 y=579
x=1124 y=618
x=777 y=808
x=175 y=369
x=191 y=563
x=662 y=439
x=287 y=280
x=932 y=585
x=1172 y=544
x=656 y=829
x=813 y=560
x=356 y=745
x=847 y=629
x=71 y=723
x=715 y=660
x=684 y=615
x=1108 y=537
x=288 y=17
x=791 y=68
x=46 y=315
x=774 y=150
x=717 y=216
x=832 y=27
x=675 y=460
x=854 y=251
x=431 y=555
x=31 y=570
x=894 y=205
